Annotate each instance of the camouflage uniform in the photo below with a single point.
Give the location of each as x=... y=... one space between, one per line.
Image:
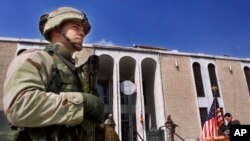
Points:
x=41 y=90
x=45 y=96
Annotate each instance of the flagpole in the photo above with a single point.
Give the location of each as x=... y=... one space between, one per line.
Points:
x=141 y=101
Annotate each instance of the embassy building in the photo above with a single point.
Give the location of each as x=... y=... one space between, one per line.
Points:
x=141 y=86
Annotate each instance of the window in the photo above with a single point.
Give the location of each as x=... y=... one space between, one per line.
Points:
x=103 y=91
x=198 y=80
x=203 y=115
x=124 y=99
x=213 y=80
x=125 y=127
x=247 y=75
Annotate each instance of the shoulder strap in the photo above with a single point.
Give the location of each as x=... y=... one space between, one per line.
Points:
x=68 y=64
x=65 y=61
x=51 y=49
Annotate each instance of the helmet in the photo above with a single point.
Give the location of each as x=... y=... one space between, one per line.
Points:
x=60 y=15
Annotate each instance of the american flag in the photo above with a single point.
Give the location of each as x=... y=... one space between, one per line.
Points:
x=213 y=121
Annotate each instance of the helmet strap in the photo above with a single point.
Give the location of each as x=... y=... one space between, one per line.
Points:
x=65 y=37
x=68 y=39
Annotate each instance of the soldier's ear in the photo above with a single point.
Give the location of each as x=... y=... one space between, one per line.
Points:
x=56 y=31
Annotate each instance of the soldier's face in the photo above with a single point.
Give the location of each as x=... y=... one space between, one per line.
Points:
x=75 y=32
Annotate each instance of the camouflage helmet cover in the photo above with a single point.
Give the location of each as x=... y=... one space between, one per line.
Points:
x=60 y=15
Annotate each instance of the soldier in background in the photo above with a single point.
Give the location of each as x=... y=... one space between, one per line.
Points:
x=170 y=125
x=44 y=92
x=110 y=120
x=110 y=133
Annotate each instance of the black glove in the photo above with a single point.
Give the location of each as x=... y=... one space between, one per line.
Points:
x=93 y=106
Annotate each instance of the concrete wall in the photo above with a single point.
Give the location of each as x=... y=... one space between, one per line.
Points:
x=234 y=89
x=179 y=95
x=83 y=55
x=7 y=52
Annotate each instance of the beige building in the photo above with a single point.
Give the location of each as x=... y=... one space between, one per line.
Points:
x=163 y=83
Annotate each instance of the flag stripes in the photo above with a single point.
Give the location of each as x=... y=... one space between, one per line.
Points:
x=219 y=117
x=213 y=121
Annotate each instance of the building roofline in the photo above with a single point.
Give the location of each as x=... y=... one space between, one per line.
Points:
x=134 y=49
x=23 y=40
x=166 y=52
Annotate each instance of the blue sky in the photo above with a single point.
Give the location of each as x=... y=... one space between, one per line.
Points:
x=215 y=27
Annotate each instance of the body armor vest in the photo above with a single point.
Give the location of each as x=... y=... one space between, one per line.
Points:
x=64 y=79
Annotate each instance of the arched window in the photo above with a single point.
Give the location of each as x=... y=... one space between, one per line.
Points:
x=247 y=74
x=213 y=80
x=198 y=79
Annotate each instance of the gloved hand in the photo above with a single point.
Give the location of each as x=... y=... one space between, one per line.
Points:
x=93 y=106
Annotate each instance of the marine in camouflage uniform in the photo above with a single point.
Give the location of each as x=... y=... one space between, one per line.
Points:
x=44 y=92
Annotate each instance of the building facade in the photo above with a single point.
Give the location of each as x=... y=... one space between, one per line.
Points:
x=166 y=83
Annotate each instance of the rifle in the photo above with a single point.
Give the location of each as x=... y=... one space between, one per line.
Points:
x=89 y=70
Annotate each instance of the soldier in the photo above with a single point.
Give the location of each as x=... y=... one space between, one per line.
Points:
x=110 y=133
x=111 y=121
x=170 y=128
x=43 y=91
